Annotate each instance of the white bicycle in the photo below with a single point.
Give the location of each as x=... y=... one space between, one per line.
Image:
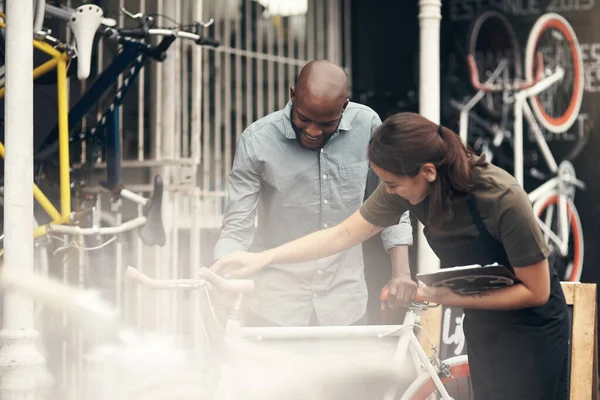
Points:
x=550 y=95
x=435 y=379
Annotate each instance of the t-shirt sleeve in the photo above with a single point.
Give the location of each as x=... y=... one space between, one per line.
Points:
x=383 y=209
x=518 y=229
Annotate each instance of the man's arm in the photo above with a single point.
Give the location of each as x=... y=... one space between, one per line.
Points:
x=237 y=227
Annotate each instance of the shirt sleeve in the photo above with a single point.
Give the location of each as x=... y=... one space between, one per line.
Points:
x=383 y=209
x=518 y=229
x=237 y=227
x=400 y=234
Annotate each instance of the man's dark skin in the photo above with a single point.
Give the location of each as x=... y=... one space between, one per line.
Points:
x=319 y=100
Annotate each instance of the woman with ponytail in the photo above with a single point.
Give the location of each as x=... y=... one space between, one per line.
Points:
x=473 y=213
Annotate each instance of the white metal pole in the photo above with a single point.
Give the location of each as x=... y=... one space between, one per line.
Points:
x=430 y=15
x=18 y=353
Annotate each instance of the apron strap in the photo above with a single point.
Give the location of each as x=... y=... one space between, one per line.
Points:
x=476 y=216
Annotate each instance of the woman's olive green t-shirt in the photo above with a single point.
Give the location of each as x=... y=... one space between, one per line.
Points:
x=502 y=203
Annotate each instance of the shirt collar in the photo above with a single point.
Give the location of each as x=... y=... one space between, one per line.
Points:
x=289 y=131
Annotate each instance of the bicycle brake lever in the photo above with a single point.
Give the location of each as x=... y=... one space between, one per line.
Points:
x=130 y=15
x=206 y=24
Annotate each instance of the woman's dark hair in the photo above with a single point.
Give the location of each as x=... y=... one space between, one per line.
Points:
x=406 y=141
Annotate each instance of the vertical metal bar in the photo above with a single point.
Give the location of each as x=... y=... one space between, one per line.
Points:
x=271 y=87
x=303 y=54
x=321 y=29
x=158 y=100
x=347 y=42
x=292 y=50
x=141 y=99
x=218 y=79
x=238 y=79
x=260 y=76
x=248 y=17
x=113 y=153
x=185 y=95
x=174 y=260
x=176 y=82
x=332 y=30
x=329 y=30
x=310 y=29
x=196 y=82
x=228 y=109
x=100 y=65
x=120 y=82
x=281 y=66
x=139 y=263
x=207 y=160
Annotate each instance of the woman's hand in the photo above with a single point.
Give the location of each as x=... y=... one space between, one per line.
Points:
x=240 y=264
x=439 y=295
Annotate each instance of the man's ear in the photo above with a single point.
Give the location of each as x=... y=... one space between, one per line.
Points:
x=292 y=93
x=346 y=104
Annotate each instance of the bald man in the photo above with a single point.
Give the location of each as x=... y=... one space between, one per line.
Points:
x=302 y=169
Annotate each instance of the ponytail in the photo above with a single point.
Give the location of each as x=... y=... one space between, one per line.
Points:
x=406 y=141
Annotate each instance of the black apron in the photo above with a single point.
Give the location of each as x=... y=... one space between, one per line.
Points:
x=513 y=355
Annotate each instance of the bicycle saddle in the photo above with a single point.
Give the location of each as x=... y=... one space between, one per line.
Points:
x=153 y=232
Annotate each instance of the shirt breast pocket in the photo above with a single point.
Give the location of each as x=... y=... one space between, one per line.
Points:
x=354 y=179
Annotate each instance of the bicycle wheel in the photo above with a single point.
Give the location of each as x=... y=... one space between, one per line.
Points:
x=569 y=267
x=558 y=106
x=458 y=384
x=491 y=40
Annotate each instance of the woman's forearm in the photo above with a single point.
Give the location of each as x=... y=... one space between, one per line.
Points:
x=510 y=298
x=324 y=243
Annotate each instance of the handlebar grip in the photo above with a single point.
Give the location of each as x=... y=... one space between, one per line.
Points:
x=137 y=33
x=383 y=296
x=206 y=41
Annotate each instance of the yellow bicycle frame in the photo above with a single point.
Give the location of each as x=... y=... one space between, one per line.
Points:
x=59 y=61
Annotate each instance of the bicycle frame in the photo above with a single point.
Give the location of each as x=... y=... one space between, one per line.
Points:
x=236 y=334
x=408 y=343
x=133 y=52
x=133 y=56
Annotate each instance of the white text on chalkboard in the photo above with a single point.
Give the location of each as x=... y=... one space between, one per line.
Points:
x=458 y=337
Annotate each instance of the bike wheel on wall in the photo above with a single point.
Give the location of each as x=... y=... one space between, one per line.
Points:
x=458 y=384
x=558 y=106
x=491 y=40
x=569 y=267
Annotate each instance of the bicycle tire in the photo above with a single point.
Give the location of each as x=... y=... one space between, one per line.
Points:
x=492 y=103
x=572 y=271
x=423 y=386
x=559 y=27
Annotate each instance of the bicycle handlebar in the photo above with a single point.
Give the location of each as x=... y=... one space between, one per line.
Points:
x=498 y=87
x=111 y=230
x=143 y=32
x=208 y=278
